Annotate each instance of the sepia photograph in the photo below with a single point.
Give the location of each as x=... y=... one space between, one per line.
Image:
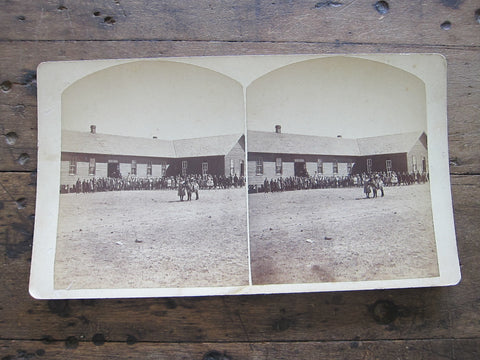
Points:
x=152 y=180
x=242 y=175
x=338 y=174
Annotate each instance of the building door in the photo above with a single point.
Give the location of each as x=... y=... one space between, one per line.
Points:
x=300 y=168
x=242 y=168
x=113 y=170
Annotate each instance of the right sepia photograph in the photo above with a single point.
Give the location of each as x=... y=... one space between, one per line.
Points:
x=338 y=174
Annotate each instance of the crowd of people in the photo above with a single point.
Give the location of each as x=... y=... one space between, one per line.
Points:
x=102 y=184
x=323 y=182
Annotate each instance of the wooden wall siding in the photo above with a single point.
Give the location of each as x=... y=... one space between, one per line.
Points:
x=194 y=165
x=409 y=323
x=419 y=152
x=288 y=169
x=399 y=163
x=237 y=154
x=101 y=166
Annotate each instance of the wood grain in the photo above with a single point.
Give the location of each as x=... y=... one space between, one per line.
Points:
x=274 y=21
x=429 y=323
x=467 y=349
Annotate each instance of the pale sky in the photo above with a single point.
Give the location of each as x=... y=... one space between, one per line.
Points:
x=165 y=99
x=337 y=96
x=329 y=96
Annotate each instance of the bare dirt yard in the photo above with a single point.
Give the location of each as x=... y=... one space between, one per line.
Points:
x=141 y=239
x=329 y=235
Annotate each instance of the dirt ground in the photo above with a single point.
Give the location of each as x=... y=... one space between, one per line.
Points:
x=141 y=239
x=329 y=235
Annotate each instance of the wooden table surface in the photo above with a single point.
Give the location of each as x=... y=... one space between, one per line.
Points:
x=430 y=323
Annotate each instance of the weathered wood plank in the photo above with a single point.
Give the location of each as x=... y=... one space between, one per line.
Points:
x=18 y=105
x=430 y=313
x=97 y=349
x=307 y=20
x=412 y=324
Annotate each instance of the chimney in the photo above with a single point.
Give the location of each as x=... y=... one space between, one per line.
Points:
x=278 y=129
x=93 y=129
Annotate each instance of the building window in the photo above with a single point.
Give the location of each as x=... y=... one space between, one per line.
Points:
x=204 y=169
x=134 y=168
x=424 y=165
x=91 y=167
x=319 y=166
x=414 y=164
x=335 y=167
x=184 y=167
x=388 y=165
x=278 y=166
x=349 y=168
x=72 y=168
x=232 y=167
x=259 y=166
x=164 y=168
x=369 y=166
x=149 y=168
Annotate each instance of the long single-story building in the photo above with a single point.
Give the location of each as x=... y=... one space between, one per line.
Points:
x=275 y=154
x=86 y=155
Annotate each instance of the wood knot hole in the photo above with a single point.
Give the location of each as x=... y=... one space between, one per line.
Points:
x=131 y=340
x=98 y=339
x=21 y=203
x=71 y=342
x=11 y=138
x=109 y=20
x=446 y=25
x=6 y=86
x=382 y=7
x=384 y=312
x=23 y=158
x=215 y=355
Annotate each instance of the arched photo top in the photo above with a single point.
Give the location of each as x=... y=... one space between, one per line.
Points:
x=146 y=98
x=339 y=95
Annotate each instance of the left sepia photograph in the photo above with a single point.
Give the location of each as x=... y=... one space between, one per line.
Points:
x=152 y=180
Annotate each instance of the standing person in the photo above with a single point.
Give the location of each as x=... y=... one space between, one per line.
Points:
x=209 y=182
x=181 y=191
x=374 y=188
x=379 y=185
x=367 y=189
x=78 y=186
x=189 y=190
x=196 y=188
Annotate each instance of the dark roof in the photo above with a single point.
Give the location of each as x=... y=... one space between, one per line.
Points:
x=271 y=142
x=88 y=143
